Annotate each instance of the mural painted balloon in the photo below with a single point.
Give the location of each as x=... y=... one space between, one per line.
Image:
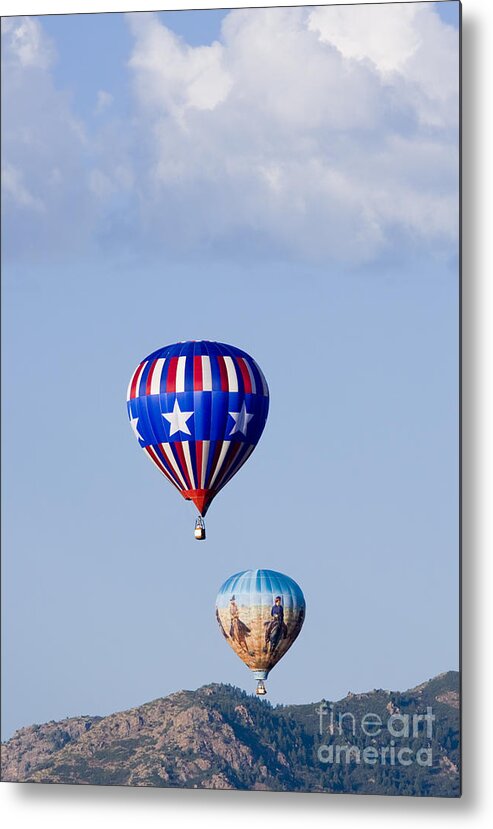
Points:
x=260 y=614
x=198 y=409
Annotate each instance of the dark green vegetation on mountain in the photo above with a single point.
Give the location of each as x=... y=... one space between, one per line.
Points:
x=220 y=737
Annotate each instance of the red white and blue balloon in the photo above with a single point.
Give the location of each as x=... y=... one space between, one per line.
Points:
x=198 y=409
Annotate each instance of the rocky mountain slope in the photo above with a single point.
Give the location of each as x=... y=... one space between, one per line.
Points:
x=220 y=737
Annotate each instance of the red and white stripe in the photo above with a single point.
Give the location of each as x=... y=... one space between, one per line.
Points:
x=223 y=374
x=171 y=376
x=231 y=372
x=178 y=447
x=153 y=384
x=206 y=373
x=180 y=374
x=220 y=461
x=172 y=461
x=230 y=457
x=188 y=461
x=201 y=458
x=133 y=386
x=202 y=375
x=249 y=380
x=230 y=369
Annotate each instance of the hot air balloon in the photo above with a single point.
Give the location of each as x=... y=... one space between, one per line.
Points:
x=260 y=614
x=198 y=409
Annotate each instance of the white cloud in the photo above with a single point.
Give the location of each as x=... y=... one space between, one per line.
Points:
x=408 y=45
x=385 y=34
x=25 y=42
x=172 y=76
x=12 y=180
x=59 y=177
x=331 y=131
x=326 y=134
x=47 y=202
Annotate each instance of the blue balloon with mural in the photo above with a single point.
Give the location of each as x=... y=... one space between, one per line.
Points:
x=260 y=614
x=198 y=409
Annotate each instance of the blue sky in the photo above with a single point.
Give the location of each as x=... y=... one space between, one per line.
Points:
x=156 y=190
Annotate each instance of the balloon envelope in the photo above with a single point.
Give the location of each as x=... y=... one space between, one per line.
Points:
x=260 y=613
x=198 y=409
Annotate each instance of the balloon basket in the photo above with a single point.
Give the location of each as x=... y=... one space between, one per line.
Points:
x=261 y=689
x=199 y=531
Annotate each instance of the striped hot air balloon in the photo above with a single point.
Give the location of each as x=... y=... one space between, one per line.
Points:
x=260 y=614
x=198 y=409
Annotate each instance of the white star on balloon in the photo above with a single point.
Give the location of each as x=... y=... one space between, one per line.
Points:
x=241 y=420
x=178 y=420
x=133 y=423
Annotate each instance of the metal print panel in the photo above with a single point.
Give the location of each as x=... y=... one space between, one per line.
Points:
x=266 y=203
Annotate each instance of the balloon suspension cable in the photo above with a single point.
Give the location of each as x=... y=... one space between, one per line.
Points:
x=261 y=689
x=199 y=531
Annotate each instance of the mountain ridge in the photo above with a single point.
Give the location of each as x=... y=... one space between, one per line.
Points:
x=218 y=736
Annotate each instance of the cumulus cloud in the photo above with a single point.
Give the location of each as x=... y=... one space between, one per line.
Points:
x=44 y=149
x=407 y=44
x=173 y=77
x=327 y=134
x=62 y=180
